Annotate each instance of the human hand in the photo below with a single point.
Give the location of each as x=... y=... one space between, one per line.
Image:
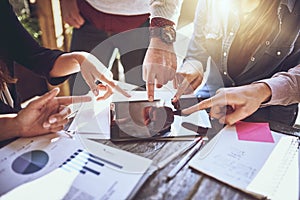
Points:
x=106 y=89
x=46 y=114
x=159 y=65
x=93 y=70
x=230 y=105
x=187 y=79
x=70 y=13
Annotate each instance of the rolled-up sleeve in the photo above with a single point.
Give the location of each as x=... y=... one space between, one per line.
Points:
x=168 y=9
x=285 y=87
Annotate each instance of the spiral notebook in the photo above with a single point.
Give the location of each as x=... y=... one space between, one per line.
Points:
x=252 y=158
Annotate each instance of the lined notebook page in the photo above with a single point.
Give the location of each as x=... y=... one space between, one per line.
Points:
x=258 y=162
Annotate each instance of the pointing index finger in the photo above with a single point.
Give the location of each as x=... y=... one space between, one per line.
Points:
x=119 y=89
x=73 y=99
x=150 y=86
x=207 y=103
x=150 y=91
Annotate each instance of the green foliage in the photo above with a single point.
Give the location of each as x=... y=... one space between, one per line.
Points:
x=31 y=24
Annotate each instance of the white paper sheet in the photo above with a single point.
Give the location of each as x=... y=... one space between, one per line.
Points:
x=57 y=167
x=29 y=158
x=266 y=169
x=92 y=120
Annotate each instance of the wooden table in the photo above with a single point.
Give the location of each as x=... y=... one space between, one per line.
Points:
x=187 y=184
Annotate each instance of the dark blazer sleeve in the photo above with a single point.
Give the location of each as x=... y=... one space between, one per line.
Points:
x=17 y=44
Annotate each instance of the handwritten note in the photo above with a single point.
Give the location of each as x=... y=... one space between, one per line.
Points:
x=246 y=156
x=232 y=159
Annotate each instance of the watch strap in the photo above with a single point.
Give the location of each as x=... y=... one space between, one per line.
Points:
x=167 y=33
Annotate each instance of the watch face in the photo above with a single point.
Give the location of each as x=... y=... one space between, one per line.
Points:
x=168 y=34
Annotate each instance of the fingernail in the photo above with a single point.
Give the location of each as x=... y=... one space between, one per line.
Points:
x=54 y=89
x=52 y=120
x=64 y=111
x=174 y=99
x=95 y=92
x=127 y=94
x=46 y=125
x=150 y=98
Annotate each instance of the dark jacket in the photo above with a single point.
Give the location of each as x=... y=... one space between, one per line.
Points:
x=16 y=45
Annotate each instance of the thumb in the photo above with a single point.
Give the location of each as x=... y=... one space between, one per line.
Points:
x=235 y=116
x=44 y=99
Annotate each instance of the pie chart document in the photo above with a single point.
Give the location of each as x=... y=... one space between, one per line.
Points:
x=26 y=159
x=30 y=162
x=56 y=166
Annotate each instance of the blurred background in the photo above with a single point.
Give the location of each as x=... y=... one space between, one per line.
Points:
x=43 y=20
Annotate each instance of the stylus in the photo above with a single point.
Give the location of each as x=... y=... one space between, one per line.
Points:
x=186 y=158
x=173 y=156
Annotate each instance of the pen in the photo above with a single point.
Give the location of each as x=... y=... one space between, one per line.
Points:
x=186 y=158
x=164 y=162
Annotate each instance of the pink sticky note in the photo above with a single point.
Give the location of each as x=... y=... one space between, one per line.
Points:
x=256 y=132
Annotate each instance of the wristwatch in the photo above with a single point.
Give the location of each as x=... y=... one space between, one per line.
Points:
x=166 y=33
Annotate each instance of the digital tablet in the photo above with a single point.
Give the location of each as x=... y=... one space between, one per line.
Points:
x=144 y=120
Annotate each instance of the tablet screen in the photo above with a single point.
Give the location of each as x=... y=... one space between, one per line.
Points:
x=140 y=120
x=144 y=120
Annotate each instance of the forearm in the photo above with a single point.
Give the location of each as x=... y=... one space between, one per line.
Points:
x=243 y=100
x=9 y=127
x=67 y=64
